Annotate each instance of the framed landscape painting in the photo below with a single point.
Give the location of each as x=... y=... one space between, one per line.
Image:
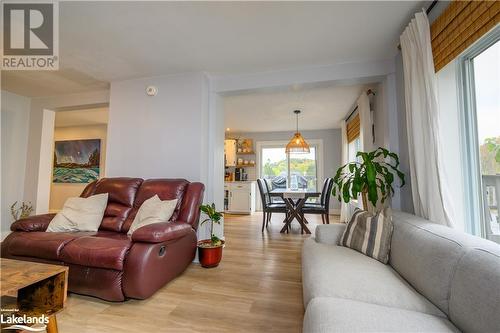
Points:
x=76 y=161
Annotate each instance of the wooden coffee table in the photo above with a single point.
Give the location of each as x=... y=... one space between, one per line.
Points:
x=33 y=289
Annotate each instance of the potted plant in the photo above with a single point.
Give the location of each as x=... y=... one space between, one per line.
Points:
x=210 y=250
x=21 y=212
x=372 y=177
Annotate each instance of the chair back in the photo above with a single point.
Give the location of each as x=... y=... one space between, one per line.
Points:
x=264 y=195
x=328 y=194
x=323 y=191
x=269 y=188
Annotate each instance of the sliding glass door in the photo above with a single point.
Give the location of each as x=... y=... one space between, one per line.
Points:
x=289 y=170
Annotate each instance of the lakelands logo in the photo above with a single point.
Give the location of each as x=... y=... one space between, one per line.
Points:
x=30 y=36
x=24 y=322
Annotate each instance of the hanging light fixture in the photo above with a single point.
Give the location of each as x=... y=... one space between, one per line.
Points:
x=297 y=144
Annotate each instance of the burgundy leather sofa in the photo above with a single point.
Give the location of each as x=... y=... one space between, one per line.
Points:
x=108 y=264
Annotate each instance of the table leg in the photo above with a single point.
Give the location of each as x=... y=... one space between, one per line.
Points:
x=52 y=325
x=290 y=217
x=298 y=209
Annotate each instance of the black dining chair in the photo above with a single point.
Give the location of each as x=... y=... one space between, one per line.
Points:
x=269 y=187
x=323 y=207
x=268 y=207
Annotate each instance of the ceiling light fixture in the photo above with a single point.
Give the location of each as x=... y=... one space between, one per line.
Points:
x=297 y=144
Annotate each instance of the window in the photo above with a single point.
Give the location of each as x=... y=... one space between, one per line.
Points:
x=480 y=73
x=293 y=170
x=352 y=149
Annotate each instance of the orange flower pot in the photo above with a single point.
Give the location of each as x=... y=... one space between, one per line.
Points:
x=209 y=256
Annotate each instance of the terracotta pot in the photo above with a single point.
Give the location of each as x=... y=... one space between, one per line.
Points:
x=209 y=256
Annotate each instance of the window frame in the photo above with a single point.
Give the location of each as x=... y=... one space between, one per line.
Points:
x=469 y=142
x=317 y=143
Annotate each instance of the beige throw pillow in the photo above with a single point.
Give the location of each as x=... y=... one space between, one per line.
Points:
x=152 y=211
x=80 y=214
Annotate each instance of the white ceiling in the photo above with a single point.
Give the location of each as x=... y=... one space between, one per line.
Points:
x=84 y=117
x=322 y=108
x=105 y=41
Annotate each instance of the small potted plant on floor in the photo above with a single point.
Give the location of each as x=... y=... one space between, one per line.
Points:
x=372 y=177
x=210 y=250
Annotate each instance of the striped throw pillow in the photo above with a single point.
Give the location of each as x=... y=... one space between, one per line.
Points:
x=369 y=234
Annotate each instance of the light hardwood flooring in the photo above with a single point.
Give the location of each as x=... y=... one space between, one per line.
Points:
x=256 y=288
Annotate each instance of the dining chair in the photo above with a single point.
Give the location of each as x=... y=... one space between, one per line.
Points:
x=269 y=187
x=323 y=207
x=268 y=208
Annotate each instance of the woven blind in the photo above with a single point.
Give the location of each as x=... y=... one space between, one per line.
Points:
x=353 y=128
x=460 y=25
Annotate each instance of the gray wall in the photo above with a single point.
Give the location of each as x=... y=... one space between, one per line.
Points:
x=331 y=148
x=15 y=127
x=406 y=196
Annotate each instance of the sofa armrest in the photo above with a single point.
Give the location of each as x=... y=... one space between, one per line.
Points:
x=330 y=233
x=161 y=232
x=33 y=223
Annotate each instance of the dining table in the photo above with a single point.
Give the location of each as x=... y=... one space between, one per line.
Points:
x=294 y=200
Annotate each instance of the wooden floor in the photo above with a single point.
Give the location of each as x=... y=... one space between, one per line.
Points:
x=256 y=288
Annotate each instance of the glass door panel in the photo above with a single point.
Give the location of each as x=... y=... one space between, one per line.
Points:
x=486 y=69
x=303 y=171
x=274 y=166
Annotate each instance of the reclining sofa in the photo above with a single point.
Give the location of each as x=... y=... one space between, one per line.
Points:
x=438 y=280
x=108 y=264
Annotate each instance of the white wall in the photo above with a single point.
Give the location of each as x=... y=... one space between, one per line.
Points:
x=450 y=122
x=59 y=192
x=158 y=137
x=14 y=142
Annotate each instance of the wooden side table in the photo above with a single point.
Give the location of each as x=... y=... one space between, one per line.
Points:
x=33 y=289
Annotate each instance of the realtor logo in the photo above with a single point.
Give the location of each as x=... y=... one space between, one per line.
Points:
x=30 y=36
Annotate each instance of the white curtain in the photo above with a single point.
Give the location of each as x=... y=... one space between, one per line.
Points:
x=422 y=122
x=365 y=122
x=344 y=207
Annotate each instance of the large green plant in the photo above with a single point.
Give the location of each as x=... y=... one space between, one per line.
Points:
x=373 y=177
x=213 y=216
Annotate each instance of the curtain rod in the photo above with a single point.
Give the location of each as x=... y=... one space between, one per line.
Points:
x=368 y=92
x=431 y=6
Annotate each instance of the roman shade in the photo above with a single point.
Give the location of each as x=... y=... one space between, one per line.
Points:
x=353 y=128
x=460 y=25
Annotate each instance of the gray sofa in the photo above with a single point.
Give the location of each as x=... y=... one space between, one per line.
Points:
x=437 y=280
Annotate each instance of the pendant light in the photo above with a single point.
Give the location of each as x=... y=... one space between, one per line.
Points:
x=297 y=144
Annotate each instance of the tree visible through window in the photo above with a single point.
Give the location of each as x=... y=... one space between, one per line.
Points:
x=282 y=170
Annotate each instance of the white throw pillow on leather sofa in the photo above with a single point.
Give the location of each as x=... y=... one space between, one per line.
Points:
x=80 y=214
x=152 y=211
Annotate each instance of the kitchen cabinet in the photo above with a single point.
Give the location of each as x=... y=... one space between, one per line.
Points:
x=239 y=197
x=230 y=152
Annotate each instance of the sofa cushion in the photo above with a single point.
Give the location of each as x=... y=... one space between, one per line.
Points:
x=326 y=315
x=44 y=245
x=335 y=271
x=122 y=193
x=94 y=251
x=166 y=189
x=475 y=290
x=426 y=255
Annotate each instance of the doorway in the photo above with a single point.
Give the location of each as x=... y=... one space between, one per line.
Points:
x=72 y=155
